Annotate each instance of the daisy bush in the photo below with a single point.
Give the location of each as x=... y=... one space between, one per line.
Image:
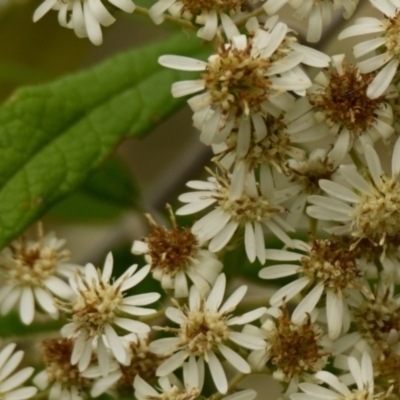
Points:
x=265 y=260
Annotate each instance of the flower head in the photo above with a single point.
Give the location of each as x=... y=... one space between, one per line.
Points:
x=205 y=329
x=371 y=208
x=256 y=206
x=361 y=373
x=32 y=272
x=98 y=306
x=59 y=372
x=341 y=103
x=387 y=61
x=175 y=255
x=330 y=266
x=246 y=80
x=294 y=350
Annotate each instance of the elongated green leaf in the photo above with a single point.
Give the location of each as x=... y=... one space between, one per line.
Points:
x=54 y=135
x=96 y=201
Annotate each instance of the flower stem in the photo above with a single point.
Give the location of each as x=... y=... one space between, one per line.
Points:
x=356 y=160
x=177 y=21
x=242 y=21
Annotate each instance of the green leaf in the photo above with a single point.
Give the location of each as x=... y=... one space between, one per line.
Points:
x=97 y=201
x=11 y=326
x=54 y=135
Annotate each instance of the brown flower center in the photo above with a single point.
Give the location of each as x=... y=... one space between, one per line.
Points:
x=230 y=7
x=235 y=80
x=333 y=264
x=171 y=250
x=344 y=101
x=57 y=359
x=296 y=349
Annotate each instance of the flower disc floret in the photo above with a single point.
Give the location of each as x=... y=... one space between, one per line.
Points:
x=333 y=264
x=174 y=255
x=345 y=102
x=202 y=330
x=247 y=208
x=96 y=306
x=33 y=272
x=295 y=349
x=230 y=7
x=236 y=80
x=378 y=215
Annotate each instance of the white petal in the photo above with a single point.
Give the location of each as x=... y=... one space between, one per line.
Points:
x=44 y=8
x=172 y=363
x=248 y=341
x=217 y=373
x=307 y=305
x=382 y=81
x=21 y=394
x=216 y=295
x=234 y=299
x=27 y=306
x=334 y=314
x=107 y=268
x=135 y=279
x=131 y=325
x=182 y=63
x=278 y=271
x=115 y=344
x=287 y=292
x=234 y=359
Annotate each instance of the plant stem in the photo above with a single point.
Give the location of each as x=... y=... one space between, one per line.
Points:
x=232 y=384
x=177 y=21
x=356 y=160
x=242 y=21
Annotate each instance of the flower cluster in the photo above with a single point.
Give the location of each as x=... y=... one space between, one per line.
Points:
x=298 y=195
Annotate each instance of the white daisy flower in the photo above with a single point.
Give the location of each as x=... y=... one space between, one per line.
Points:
x=10 y=384
x=378 y=319
x=98 y=306
x=85 y=17
x=207 y=14
x=341 y=103
x=387 y=61
x=370 y=208
x=64 y=378
x=175 y=255
x=258 y=206
x=248 y=79
x=32 y=272
x=205 y=330
x=329 y=267
x=361 y=373
x=294 y=350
